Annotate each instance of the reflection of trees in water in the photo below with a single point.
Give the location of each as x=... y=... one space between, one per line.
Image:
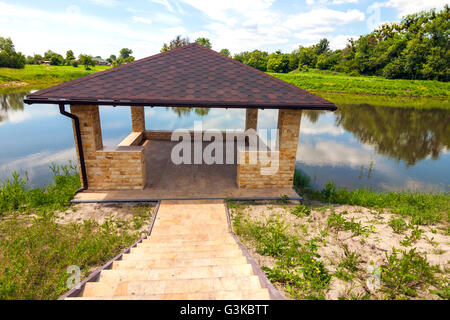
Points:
x=313 y=115
x=185 y=111
x=11 y=101
x=404 y=134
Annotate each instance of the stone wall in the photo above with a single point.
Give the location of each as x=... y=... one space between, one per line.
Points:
x=108 y=168
x=251 y=175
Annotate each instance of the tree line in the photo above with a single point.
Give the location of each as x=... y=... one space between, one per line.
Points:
x=9 y=58
x=415 y=48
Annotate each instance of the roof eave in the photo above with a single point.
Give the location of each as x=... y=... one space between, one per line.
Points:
x=158 y=103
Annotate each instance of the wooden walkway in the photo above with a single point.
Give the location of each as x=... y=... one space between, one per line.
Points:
x=190 y=255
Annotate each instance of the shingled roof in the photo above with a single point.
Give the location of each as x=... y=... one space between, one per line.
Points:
x=188 y=76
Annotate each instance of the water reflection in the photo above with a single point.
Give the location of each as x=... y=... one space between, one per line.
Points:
x=185 y=111
x=11 y=102
x=387 y=148
x=408 y=135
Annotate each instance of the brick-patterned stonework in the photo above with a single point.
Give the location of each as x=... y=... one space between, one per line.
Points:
x=251 y=119
x=137 y=119
x=108 y=168
x=249 y=175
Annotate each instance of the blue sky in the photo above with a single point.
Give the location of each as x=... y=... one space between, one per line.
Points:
x=103 y=27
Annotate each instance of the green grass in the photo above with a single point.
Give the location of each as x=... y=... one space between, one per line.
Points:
x=41 y=76
x=36 y=250
x=421 y=208
x=348 y=99
x=17 y=196
x=296 y=264
x=326 y=81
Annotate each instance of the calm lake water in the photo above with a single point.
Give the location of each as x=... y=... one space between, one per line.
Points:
x=380 y=147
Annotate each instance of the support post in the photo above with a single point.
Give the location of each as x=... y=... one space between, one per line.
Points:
x=251 y=119
x=138 y=119
x=289 y=132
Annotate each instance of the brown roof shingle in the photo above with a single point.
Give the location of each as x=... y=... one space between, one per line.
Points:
x=188 y=76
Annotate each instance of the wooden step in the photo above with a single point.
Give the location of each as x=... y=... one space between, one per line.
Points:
x=184 y=248
x=152 y=287
x=201 y=236
x=143 y=255
x=117 y=275
x=149 y=242
x=183 y=230
x=180 y=262
x=258 y=294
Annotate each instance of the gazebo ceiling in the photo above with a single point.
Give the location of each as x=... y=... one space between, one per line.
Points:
x=188 y=76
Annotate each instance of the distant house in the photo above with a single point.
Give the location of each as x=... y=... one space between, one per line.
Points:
x=100 y=62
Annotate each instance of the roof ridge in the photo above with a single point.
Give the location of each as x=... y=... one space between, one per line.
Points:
x=113 y=69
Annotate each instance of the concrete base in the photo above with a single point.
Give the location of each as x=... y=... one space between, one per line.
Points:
x=167 y=181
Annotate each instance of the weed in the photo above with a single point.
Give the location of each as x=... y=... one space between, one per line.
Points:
x=398 y=225
x=301 y=211
x=415 y=236
x=338 y=222
x=402 y=276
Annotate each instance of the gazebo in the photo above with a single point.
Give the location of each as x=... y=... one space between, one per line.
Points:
x=140 y=167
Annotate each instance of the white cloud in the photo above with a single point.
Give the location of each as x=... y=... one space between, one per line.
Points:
x=332 y=153
x=405 y=7
x=141 y=20
x=165 y=3
x=323 y=17
x=39 y=30
x=246 y=25
x=105 y=3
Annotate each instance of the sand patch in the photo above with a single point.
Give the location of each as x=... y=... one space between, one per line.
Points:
x=371 y=247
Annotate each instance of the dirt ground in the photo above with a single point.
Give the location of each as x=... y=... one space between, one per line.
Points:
x=100 y=212
x=372 y=248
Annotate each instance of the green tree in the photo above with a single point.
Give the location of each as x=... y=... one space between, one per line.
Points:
x=175 y=43
x=278 y=63
x=256 y=59
x=204 y=42
x=87 y=61
x=111 y=58
x=9 y=58
x=225 y=52
x=48 y=55
x=322 y=47
x=69 y=57
x=56 y=60
x=125 y=53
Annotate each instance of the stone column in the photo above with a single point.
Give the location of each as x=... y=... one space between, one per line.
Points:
x=251 y=119
x=91 y=132
x=288 y=133
x=138 y=119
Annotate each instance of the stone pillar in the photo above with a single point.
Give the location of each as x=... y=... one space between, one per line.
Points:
x=250 y=176
x=288 y=133
x=138 y=119
x=91 y=132
x=251 y=119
